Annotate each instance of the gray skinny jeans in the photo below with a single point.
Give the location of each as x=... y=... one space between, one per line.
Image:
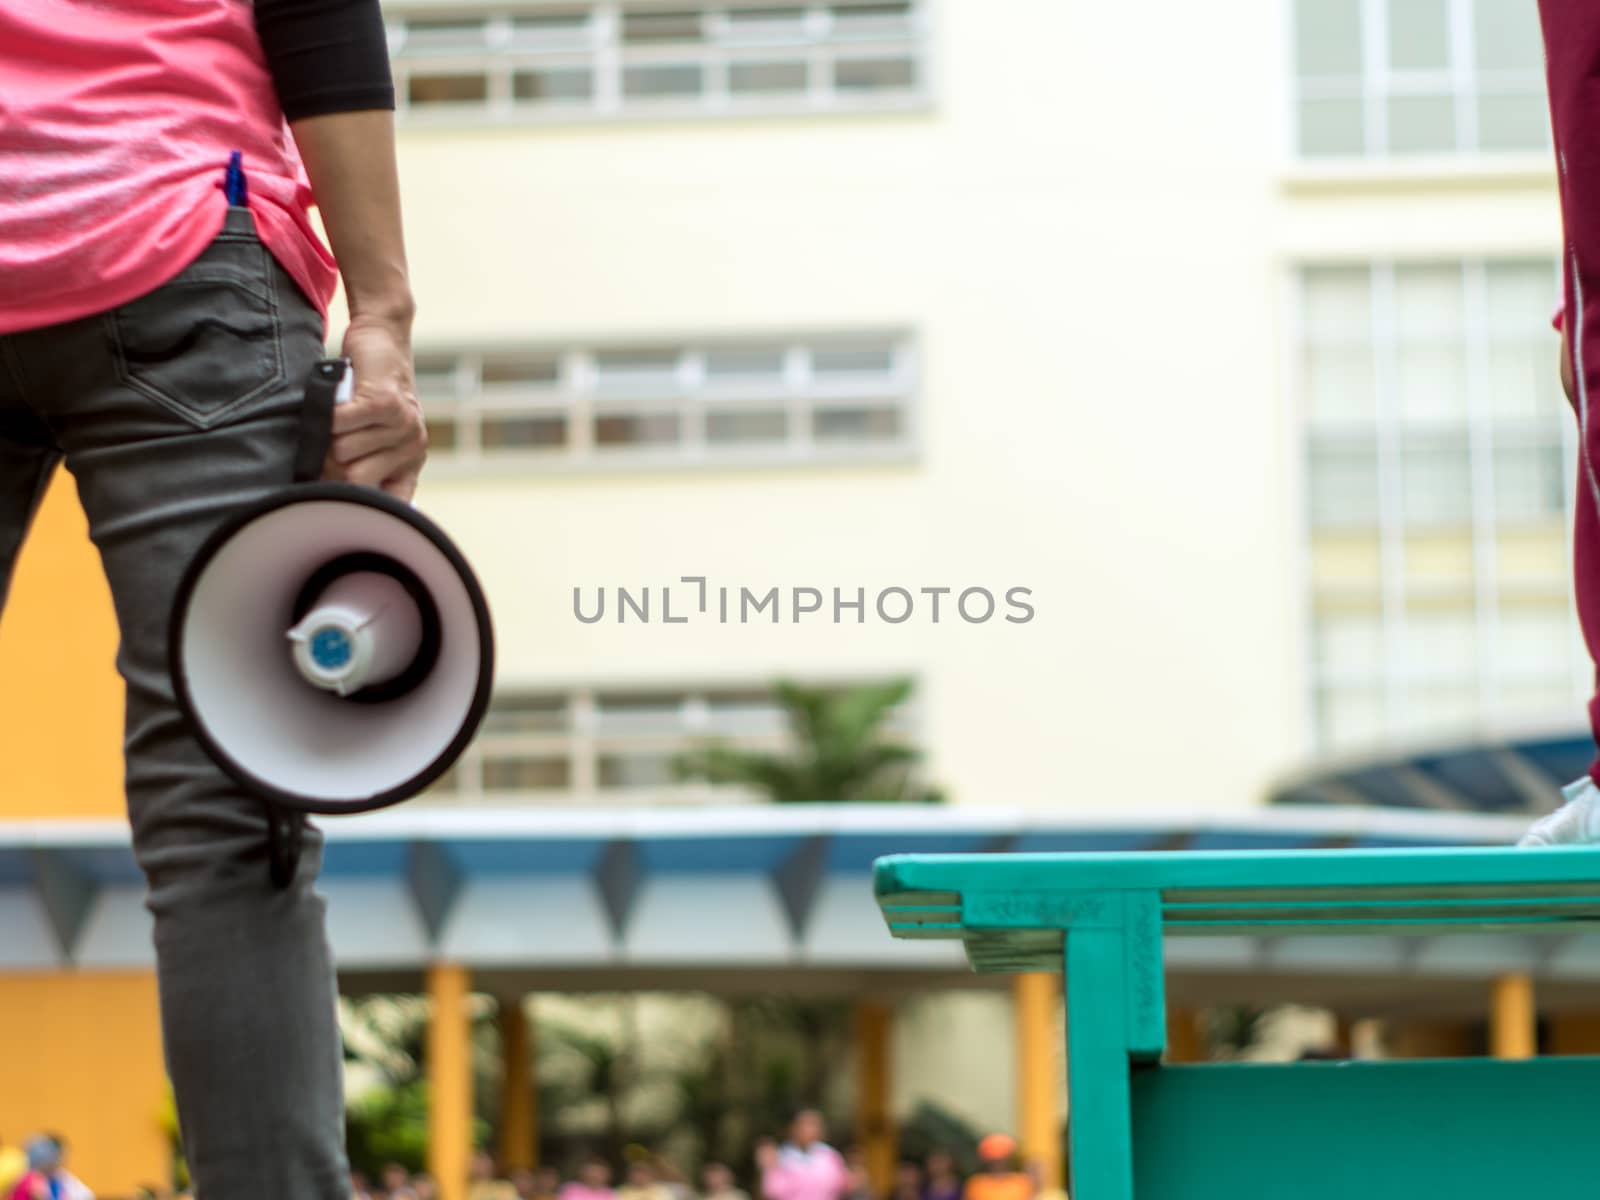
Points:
x=171 y=412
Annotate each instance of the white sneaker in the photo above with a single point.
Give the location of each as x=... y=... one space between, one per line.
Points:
x=1575 y=823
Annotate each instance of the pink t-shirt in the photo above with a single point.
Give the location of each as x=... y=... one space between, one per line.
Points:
x=117 y=118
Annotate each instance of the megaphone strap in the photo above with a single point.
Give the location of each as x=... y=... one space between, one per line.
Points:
x=285 y=839
x=316 y=418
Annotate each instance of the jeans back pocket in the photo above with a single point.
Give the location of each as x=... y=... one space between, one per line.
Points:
x=208 y=341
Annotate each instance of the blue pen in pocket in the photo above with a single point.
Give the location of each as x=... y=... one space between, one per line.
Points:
x=233 y=184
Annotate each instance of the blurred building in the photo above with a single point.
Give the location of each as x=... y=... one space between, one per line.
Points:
x=1175 y=401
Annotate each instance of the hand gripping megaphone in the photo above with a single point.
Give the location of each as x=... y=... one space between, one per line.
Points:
x=329 y=645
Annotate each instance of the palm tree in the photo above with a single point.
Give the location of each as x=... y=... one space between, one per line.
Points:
x=842 y=752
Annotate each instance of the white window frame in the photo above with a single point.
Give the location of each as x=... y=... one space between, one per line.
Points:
x=1462 y=81
x=1484 y=434
x=577 y=399
x=603 y=53
x=588 y=737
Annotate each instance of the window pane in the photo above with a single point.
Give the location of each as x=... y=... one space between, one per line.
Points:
x=1419 y=35
x=1521 y=298
x=874 y=74
x=554 y=85
x=1436 y=480
x=522 y=371
x=1328 y=37
x=855 y=424
x=756 y=425
x=750 y=26
x=656 y=429
x=636 y=770
x=502 y=432
x=526 y=714
x=661 y=27
x=852 y=360
x=748 y=713
x=1440 y=643
x=745 y=365
x=640 y=712
x=1349 y=643
x=746 y=78
x=1338 y=304
x=1439 y=709
x=564 y=32
x=1522 y=380
x=436 y=376
x=1432 y=383
x=1430 y=302
x=442 y=433
x=1542 y=699
x=634 y=371
x=445 y=37
x=871 y=18
x=1532 y=555
x=1439 y=561
x=1529 y=483
x=1507 y=35
x=1330 y=127
x=1346 y=561
x=670 y=80
x=447 y=89
x=1534 y=639
x=1516 y=121
x=521 y=774
x=1421 y=124
x=1344 y=485
x=1350 y=717
x=1340 y=386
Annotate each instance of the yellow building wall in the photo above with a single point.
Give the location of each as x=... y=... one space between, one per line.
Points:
x=81 y=1056
x=61 y=703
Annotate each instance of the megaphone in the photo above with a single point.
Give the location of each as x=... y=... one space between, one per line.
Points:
x=330 y=645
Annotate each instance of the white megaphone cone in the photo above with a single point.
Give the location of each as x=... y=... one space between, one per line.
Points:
x=330 y=645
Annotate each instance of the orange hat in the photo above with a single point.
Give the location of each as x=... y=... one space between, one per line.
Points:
x=997 y=1146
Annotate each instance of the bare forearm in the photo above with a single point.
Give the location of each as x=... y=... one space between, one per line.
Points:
x=350 y=158
x=1568 y=385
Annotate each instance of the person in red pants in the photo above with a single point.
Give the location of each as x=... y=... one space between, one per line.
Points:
x=1572 y=58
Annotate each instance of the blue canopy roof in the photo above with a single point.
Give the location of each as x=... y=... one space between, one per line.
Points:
x=738 y=887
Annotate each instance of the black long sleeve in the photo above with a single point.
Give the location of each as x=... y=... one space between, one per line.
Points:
x=326 y=56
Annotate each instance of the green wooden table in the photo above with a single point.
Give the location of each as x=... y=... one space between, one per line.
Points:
x=1451 y=1129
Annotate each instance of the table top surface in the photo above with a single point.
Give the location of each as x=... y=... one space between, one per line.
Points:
x=1245 y=892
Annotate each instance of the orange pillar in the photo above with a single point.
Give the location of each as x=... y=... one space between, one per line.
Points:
x=1184 y=1043
x=449 y=1079
x=1513 y=1031
x=1037 y=1002
x=519 y=1116
x=874 y=1127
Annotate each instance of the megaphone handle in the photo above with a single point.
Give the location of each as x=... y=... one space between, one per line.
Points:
x=331 y=382
x=285 y=838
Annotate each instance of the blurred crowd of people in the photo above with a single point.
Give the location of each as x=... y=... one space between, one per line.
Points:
x=802 y=1166
x=37 y=1170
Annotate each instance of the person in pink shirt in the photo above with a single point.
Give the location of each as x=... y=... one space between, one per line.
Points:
x=1572 y=60
x=593 y=1182
x=805 y=1167
x=163 y=298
